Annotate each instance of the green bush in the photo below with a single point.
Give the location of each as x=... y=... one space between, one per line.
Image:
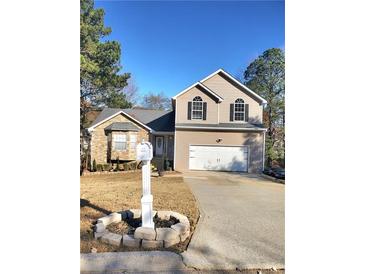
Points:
x=153 y=167
x=118 y=165
x=94 y=166
x=126 y=166
x=99 y=167
x=106 y=167
x=167 y=165
x=132 y=165
x=88 y=159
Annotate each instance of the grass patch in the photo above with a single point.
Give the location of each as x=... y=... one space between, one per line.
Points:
x=104 y=194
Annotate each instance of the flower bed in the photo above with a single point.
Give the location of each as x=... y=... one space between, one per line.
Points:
x=124 y=229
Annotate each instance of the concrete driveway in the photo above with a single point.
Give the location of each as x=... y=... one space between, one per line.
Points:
x=242 y=222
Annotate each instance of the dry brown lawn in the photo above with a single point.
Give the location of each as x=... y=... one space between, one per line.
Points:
x=103 y=194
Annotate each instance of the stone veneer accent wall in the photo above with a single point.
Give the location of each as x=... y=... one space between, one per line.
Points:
x=99 y=141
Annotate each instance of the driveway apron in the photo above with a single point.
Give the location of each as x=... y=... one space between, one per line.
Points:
x=242 y=222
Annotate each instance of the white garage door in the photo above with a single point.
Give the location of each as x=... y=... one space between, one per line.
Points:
x=223 y=158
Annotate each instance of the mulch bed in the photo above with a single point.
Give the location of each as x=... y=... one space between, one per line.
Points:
x=129 y=226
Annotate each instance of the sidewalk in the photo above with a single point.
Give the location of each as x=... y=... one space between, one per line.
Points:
x=152 y=262
x=131 y=262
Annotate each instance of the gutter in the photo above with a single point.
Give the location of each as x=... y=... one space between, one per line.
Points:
x=223 y=128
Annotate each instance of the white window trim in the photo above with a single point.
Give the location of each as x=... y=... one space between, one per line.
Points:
x=114 y=140
x=192 y=108
x=234 y=111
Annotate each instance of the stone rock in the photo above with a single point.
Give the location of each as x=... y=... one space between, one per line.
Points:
x=154 y=174
x=94 y=250
x=171 y=242
x=112 y=238
x=167 y=234
x=130 y=241
x=163 y=214
x=99 y=227
x=97 y=235
x=181 y=228
x=107 y=220
x=184 y=236
x=180 y=217
x=145 y=233
x=185 y=220
x=152 y=244
x=134 y=213
x=116 y=217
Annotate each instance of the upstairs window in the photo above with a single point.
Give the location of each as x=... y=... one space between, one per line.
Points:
x=120 y=142
x=197 y=108
x=239 y=110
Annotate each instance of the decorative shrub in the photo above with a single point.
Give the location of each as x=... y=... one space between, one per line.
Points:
x=132 y=165
x=125 y=166
x=89 y=166
x=99 y=167
x=167 y=165
x=94 y=166
x=117 y=168
x=106 y=167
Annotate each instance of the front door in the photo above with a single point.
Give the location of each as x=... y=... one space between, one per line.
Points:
x=159 y=146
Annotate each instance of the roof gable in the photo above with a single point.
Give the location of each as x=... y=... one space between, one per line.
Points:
x=201 y=86
x=109 y=113
x=229 y=77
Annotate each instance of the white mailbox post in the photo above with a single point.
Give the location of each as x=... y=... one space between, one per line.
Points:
x=145 y=154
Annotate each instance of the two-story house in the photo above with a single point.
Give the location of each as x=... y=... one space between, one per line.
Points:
x=215 y=124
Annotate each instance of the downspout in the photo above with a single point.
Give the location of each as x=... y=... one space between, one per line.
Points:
x=263 y=152
x=218 y=111
x=264 y=143
x=175 y=135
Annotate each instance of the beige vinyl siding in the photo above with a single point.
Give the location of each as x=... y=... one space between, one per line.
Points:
x=184 y=138
x=182 y=107
x=229 y=92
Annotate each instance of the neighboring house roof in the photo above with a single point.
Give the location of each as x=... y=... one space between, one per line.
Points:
x=222 y=126
x=252 y=93
x=154 y=120
x=121 y=126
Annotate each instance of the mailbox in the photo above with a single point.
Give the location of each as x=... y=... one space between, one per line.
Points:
x=144 y=151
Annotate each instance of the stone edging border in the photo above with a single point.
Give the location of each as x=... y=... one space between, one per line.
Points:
x=145 y=237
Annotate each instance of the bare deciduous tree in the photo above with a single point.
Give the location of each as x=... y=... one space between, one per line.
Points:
x=157 y=101
x=131 y=91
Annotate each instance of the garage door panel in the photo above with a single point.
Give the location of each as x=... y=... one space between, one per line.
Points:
x=221 y=158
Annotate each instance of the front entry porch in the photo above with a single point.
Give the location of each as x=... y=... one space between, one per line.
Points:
x=163 y=150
